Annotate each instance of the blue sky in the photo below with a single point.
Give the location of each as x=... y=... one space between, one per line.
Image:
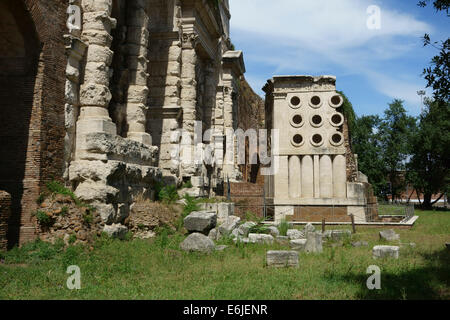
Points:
x=372 y=66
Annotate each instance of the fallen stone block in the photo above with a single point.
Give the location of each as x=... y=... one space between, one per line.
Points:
x=314 y=242
x=385 y=252
x=358 y=244
x=244 y=229
x=213 y=234
x=228 y=226
x=294 y=234
x=273 y=231
x=197 y=242
x=260 y=238
x=337 y=235
x=299 y=244
x=116 y=231
x=282 y=259
x=389 y=235
x=241 y=240
x=309 y=228
x=282 y=240
x=200 y=221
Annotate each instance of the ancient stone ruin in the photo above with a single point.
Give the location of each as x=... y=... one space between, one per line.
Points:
x=104 y=95
x=112 y=97
x=316 y=173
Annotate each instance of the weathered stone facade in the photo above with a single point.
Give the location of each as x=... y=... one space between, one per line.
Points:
x=110 y=93
x=316 y=169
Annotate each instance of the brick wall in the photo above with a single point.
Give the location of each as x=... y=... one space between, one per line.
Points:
x=5 y=211
x=32 y=79
x=250 y=116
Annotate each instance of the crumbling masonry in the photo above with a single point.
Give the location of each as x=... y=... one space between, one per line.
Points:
x=105 y=99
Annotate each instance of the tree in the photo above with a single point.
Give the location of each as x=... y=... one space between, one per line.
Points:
x=437 y=75
x=366 y=144
x=396 y=130
x=429 y=168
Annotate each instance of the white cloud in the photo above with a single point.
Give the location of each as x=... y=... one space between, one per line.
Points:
x=328 y=35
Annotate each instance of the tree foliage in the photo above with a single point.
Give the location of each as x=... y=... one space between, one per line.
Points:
x=437 y=74
x=429 y=168
x=366 y=144
x=383 y=148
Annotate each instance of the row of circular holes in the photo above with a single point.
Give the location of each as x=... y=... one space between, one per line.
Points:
x=317 y=140
x=316 y=102
x=317 y=121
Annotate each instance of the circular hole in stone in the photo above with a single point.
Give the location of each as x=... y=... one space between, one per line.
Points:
x=298 y=139
x=337 y=138
x=295 y=101
x=316 y=100
x=317 y=120
x=336 y=100
x=336 y=119
x=317 y=138
x=297 y=119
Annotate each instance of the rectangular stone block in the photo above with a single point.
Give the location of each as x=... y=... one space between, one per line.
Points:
x=281 y=259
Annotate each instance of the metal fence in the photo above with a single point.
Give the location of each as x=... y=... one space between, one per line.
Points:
x=264 y=208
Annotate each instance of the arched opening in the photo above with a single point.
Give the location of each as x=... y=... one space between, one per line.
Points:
x=19 y=161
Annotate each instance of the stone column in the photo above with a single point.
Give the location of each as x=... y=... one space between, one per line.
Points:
x=189 y=101
x=94 y=92
x=137 y=45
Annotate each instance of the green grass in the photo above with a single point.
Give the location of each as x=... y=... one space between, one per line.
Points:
x=157 y=269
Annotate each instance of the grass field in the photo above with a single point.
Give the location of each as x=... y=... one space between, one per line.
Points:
x=157 y=269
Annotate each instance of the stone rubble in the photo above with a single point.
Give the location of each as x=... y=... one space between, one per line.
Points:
x=198 y=242
x=200 y=221
x=389 y=235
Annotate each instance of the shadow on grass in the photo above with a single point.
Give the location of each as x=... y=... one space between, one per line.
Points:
x=429 y=282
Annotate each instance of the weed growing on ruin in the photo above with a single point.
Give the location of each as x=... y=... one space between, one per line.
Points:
x=190 y=206
x=44 y=219
x=283 y=227
x=40 y=199
x=187 y=185
x=251 y=216
x=64 y=211
x=168 y=194
x=259 y=228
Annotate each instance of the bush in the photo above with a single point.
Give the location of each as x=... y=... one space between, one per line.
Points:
x=259 y=229
x=190 y=206
x=250 y=216
x=43 y=218
x=168 y=194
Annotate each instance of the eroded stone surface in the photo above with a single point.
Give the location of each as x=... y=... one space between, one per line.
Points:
x=200 y=221
x=281 y=259
x=197 y=242
x=389 y=235
x=385 y=252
